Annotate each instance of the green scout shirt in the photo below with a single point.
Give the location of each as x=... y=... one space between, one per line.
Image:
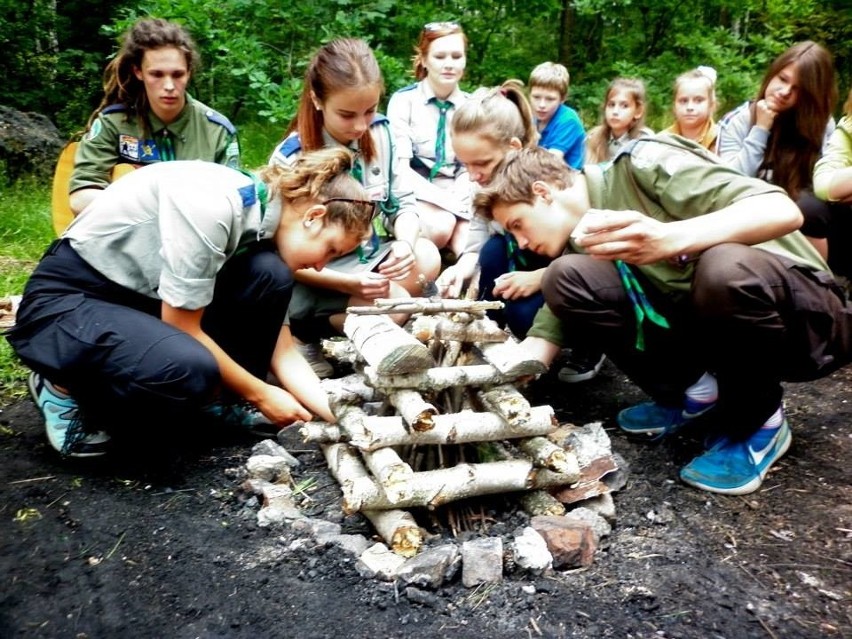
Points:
x=669 y=178
x=116 y=137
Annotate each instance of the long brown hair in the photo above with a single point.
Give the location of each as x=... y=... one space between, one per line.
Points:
x=121 y=86
x=345 y=63
x=498 y=114
x=796 y=137
x=597 y=141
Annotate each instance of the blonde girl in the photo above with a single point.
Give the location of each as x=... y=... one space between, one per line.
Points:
x=623 y=120
x=694 y=105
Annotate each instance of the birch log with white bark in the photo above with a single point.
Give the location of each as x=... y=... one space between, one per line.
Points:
x=386 y=346
x=507 y=402
x=510 y=359
x=393 y=474
x=434 y=488
x=437 y=379
x=454 y=428
x=416 y=411
x=399 y=530
x=426 y=327
x=541 y=502
x=424 y=305
x=548 y=455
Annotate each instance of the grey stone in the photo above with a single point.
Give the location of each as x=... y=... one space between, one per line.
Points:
x=29 y=143
x=600 y=525
x=268 y=467
x=353 y=544
x=482 y=561
x=378 y=561
x=431 y=567
x=278 y=512
x=603 y=505
x=319 y=528
x=531 y=552
x=274 y=449
x=415 y=595
x=617 y=479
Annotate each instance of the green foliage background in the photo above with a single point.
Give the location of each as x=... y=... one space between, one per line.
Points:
x=255 y=51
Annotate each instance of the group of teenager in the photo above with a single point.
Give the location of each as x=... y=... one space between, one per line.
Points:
x=195 y=287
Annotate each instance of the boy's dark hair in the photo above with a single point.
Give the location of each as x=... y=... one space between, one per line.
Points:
x=512 y=182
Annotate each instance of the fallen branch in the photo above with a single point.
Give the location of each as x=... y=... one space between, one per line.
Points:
x=399 y=529
x=426 y=327
x=437 y=379
x=425 y=305
x=417 y=412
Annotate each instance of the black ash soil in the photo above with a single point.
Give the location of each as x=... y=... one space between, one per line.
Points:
x=159 y=542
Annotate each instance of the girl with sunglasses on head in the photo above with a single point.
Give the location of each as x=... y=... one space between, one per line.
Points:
x=338 y=108
x=421 y=115
x=168 y=296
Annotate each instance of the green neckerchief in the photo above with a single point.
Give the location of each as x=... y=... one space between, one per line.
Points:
x=440 y=136
x=641 y=306
x=167 y=150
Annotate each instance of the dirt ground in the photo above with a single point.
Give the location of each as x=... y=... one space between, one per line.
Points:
x=159 y=542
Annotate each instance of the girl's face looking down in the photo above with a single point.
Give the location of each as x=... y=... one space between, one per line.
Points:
x=621 y=111
x=348 y=113
x=480 y=155
x=692 y=104
x=782 y=92
x=305 y=240
x=164 y=74
x=445 y=63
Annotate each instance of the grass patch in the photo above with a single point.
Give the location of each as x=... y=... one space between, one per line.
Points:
x=25 y=232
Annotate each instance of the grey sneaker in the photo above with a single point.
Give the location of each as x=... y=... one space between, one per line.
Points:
x=313 y=354
x=580 y=366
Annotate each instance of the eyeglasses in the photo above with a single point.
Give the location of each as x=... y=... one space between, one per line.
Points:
x=442 y=26
x=374 y=206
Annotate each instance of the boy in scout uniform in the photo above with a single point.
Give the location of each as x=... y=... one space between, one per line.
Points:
x=694 y=281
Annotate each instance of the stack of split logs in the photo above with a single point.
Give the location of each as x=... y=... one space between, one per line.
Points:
x=432 y=415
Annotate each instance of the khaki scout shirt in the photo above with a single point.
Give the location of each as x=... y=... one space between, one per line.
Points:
x=668 y=182
x=166 y=230
x=116 y=137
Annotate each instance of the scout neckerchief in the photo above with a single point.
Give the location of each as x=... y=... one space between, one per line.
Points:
x=641 y=306
x=363 y=257
x=260 y=189
x=167 y=153
x=440 y=136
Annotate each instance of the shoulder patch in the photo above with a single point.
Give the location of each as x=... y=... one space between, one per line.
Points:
x=221 y=120
x=114 y=108
x=379 y=118
x=95 y=130
x=290 y=146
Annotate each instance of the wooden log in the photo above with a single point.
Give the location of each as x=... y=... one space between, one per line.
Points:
x=393 y=475
x=541 y=502
x=351 y=389
x=454 y=428
x=510 y=359
x=546 y=454
x=424 y=305
x=399 y=530
x=348 y=469
x=321 y=433
x=416 y=411
x=434 y=488
x=386 y=346
x=426 y=327
x=341 y=350
x=506 y=401
x=436 y=379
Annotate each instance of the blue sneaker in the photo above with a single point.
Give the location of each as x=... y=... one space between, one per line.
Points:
x=651 y=418
x=242 y=415
x=65 y=430
x=737 y=468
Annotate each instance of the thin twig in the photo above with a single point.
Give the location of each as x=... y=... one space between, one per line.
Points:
x=27 y=481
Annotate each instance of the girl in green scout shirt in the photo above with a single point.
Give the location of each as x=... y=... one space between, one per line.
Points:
x=168 y=295
x=420 y=116
x=693 y=279
x=343 y=85
x=146 y=115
